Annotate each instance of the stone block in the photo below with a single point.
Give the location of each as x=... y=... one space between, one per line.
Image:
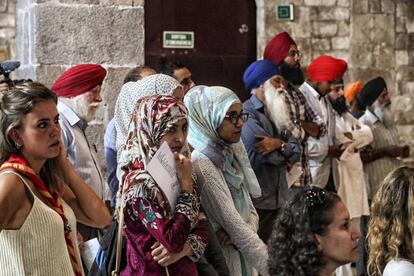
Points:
x=362 y=55
x=388 y=6
x=343 y=28
x=117 y=2
x=343 y=3
x=324 y=29
x=329 y=13
x=87 y=2
x=11 y=8
x=375 y=6
x=111 y=88
x=410 y=45
x=8 y=20
x=401 y=41
x=358 y=33
x=365 y=74
x=402 y=108
x=335 y=53
x=411 y=57
x=329 y=3
x=3 y=6
x=359 y=6
x=340 y=43
x=400 y=26
x=402 y=9
x=71 y=35
x=321 y=44
x=384 y=29
x=47 y=74
x=410 y=25
x=7 y=32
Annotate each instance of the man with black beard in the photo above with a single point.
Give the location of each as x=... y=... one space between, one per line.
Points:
x=304 y=122
x=324 y=73
x=350 y=136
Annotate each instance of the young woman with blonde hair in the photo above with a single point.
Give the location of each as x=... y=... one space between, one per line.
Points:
x=391 y=227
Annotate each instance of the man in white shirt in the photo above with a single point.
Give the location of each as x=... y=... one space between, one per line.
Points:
x=324 y=73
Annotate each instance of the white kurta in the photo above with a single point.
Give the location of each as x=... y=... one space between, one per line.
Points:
x=351 y=186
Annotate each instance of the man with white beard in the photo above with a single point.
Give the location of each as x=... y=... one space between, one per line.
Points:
x=271 y=149
x=385 y=152
x=79 y=93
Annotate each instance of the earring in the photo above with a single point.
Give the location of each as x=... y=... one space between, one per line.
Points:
x=18 y=147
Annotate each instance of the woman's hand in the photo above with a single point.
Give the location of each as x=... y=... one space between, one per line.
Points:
x=183 y=167
x=165 y=258
x=223 y=238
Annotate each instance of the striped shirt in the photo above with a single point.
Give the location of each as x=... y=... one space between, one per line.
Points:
x=383 y=136
x=299 y=110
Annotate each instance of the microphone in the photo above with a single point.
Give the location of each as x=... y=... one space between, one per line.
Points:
x=8 y=66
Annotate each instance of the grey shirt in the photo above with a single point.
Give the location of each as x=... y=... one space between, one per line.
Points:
x=270 y=169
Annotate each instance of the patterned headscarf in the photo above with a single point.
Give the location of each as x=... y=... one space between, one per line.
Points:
x=131 y=92
x=207 y=107
x=152 y=118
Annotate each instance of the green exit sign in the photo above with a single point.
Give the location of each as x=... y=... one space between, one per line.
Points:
x=175 y=39
x=284 y=12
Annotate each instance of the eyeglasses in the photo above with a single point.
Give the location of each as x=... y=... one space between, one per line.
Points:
x=315 y=197
x=337 y=88
x=234 y=117
x=294 y=54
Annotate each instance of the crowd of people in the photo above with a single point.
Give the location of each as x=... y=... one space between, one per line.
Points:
x=306 y=177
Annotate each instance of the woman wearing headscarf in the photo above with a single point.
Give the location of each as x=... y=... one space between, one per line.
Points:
x=225 y=177
x=161 y=240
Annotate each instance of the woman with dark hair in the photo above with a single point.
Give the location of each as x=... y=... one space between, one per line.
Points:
x=41 y=196
x=391 y=226
x=312 y=236
x=162 y=238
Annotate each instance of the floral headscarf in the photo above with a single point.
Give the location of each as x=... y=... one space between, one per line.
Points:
x=131 y=92
x=207 y=107
x=152 y=118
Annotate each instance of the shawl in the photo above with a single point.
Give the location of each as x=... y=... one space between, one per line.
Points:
x=207 y=107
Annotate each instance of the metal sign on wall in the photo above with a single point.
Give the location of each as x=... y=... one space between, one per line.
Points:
x=284 y=12
x=175 y=39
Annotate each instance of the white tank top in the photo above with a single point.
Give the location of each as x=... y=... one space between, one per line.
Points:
x=38 y=248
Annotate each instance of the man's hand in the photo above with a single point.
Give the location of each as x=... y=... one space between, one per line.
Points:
x=334 y=152
x=397 y=151
x=310 y=128
x=278 y=82
x=267 y=145
x=164 y=257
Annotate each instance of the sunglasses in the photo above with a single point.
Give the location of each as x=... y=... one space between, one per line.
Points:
x=234 y=117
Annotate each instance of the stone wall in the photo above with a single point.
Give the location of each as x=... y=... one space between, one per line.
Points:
x=55 y=35
x=376 y=37
x=7 y=29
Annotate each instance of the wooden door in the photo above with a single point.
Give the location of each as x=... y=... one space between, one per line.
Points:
x=224 y=38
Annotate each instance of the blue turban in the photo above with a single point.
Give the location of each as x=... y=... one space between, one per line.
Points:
x=258 y=73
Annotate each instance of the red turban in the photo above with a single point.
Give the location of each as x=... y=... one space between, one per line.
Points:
x=278 y=48
x=352 y=90
x=326 y=68
x=78 y=80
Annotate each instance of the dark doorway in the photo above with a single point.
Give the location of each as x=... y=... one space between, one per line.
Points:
x=224 y=44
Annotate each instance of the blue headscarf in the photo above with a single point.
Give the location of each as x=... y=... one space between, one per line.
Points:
x=258 y=73
x=207 y=107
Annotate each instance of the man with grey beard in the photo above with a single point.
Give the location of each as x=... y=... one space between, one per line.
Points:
x=385 y=152
x=270 y=147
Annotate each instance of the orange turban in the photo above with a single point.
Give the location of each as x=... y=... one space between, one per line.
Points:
x=326 y=68
x=278 y=48
x=352 y=90
x=78 y=80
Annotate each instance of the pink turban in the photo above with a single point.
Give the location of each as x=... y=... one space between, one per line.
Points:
x=278 y=48
x=326 y=68
x=78 y=80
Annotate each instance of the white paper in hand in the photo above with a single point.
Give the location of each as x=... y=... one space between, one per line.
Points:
x=162 y=169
